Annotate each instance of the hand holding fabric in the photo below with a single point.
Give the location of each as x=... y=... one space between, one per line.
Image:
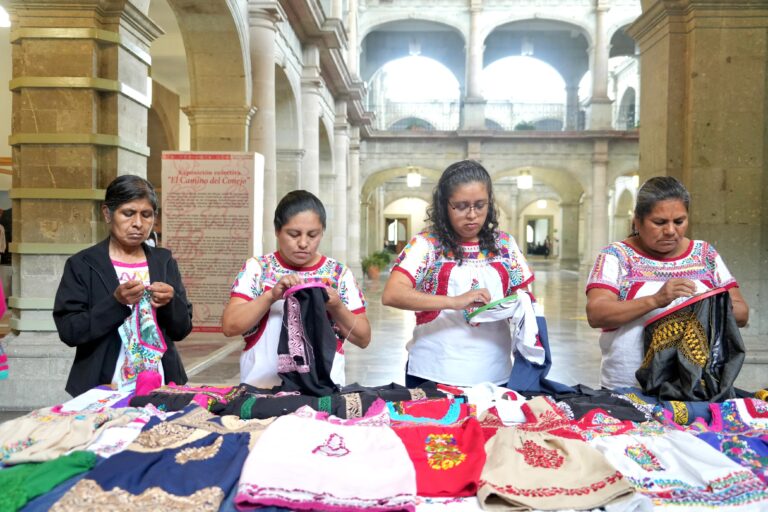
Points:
x=129 y=292
x=162 y=294
x=673 y=289
x=471 y=298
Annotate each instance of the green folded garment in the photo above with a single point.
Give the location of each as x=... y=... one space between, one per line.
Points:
x=24 y=482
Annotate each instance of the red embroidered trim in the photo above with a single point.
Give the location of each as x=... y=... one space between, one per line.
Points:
x=545 y=492
x=424 y=317
x=503 y=274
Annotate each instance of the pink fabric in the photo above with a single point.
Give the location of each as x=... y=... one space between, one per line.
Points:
x=147 y=381
x=308 y=284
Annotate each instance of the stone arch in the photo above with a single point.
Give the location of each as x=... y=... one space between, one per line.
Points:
x=219 y=74
x=437 y=40
x=325 y=146
x=620 y=40
x=627 y=109
x=159 y=139
x=410 y=123
x=379 y=178
x=622 y=217
x=289 y=133
x=583 y=28
x=565 y=184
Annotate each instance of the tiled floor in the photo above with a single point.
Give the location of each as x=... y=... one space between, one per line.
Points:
x=575 y=353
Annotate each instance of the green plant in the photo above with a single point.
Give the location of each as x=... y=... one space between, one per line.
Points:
x=379 y=259
x=525 y=125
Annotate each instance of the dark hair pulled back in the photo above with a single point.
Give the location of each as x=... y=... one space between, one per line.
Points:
x=297 y=201
x=655 y=190
x=127 y=188
x=456 y=174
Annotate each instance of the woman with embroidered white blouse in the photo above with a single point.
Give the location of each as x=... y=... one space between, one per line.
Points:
x=255 y=307
x=460 y=263
x=654 y=268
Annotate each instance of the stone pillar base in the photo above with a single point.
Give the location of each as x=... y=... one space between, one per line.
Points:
x=38 y=366
x=473 y=116
x=599 y=114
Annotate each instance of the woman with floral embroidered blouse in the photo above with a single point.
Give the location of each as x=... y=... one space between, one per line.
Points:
x=653 y=269
x=460 y=263
x=255 y=307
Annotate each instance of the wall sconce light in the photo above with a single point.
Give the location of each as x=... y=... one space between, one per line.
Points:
x=525 y=180
x=541 y=204
x=636 y=180
x=413 y=178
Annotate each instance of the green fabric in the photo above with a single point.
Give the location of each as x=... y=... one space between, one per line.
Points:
x=23 y=482
x=324 y=404
x=246 y=408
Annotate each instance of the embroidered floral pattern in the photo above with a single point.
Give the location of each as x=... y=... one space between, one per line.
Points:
x=163 y=435
x=443 y=451
x=199 y=453
x=354 y=405
x=88 y=495
x=333 y=447
x=9 y=449
x=300 y=354
x=643 y=457
x=739 y=450
x=539 y=457
x=680 y=330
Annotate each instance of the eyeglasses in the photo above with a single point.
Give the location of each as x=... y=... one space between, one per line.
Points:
x=465 y=207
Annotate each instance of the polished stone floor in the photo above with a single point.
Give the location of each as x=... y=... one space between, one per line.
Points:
x=575 y=353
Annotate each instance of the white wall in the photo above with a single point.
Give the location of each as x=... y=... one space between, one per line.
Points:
x=414 y=209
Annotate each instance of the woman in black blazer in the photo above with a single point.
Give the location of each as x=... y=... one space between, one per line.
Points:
x=102 y=284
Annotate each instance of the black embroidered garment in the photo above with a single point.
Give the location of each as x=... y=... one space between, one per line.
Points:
x=307 y=344
x=693 y=351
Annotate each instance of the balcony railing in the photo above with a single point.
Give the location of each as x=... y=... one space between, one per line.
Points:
x=446 y=116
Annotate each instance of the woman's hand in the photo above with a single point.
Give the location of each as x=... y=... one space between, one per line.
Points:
x=129 y=293
x=162 y=293
x=334 y=300
x=472 y=298
x=673 y=289
x=283 y=284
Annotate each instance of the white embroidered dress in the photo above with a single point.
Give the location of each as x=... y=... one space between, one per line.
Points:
x=631 y=274
x=445 y=347
x=259 y=361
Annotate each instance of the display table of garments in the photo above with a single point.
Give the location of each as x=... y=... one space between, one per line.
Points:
x=385 y=448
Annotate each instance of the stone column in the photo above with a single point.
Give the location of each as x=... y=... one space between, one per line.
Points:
x=365 y=220
x=336 y=9
x=340 y=150
x=474 y=104
x=288 y=170
x=569 y=235
x=572 y=107
x=702 y=110
x=353 y=53
x=310 y=116
x=79 y=119
x=263 y=133
x=599 y=107
x=353 y=204
x=599 y=220
x=218 y=128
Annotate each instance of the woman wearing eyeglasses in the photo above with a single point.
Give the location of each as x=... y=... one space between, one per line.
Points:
x=459 y=263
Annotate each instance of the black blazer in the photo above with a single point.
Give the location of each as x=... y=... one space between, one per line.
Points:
x=87 y=315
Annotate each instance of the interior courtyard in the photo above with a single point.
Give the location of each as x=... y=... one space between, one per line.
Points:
x=569 y=104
